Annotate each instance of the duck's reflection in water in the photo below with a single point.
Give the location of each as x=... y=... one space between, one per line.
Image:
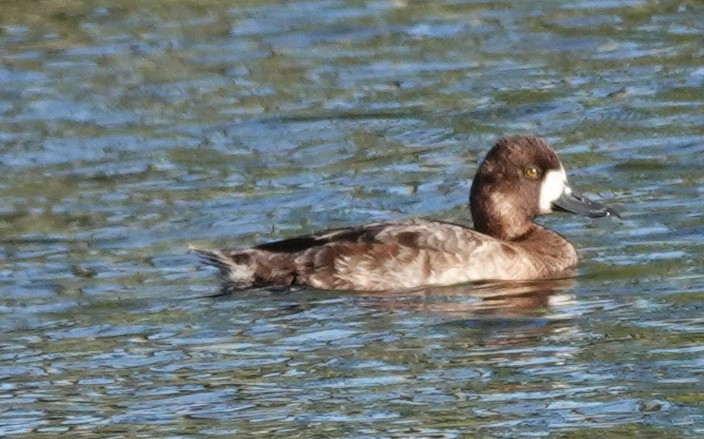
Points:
x=498 y=298
x=517 y=310
x=528 y=308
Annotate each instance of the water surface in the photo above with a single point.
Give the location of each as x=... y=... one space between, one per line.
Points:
x=129 y=130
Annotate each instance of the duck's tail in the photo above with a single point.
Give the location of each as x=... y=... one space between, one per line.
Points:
x=216 y=258
x=237 y=270
x=250 y=268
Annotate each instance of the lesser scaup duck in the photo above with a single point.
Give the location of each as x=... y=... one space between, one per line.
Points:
x=520 y=178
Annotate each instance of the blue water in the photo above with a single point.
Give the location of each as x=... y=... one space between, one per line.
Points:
x=129 y=131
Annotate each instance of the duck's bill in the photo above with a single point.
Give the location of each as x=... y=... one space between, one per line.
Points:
x=574 y=202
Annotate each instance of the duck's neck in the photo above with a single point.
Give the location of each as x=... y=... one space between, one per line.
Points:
x=502 y=224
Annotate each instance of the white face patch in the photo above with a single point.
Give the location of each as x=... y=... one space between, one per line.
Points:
x=554 y=183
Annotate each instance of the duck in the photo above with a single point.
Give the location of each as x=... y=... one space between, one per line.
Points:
x=520 y=178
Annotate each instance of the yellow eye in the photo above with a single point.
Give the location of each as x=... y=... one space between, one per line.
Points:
x=531 y=172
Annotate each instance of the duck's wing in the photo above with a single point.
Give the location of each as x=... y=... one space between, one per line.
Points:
x=435 y=235
x=360 y=235
x=407 y=255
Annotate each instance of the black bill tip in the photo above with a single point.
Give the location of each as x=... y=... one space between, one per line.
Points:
x=574 y=202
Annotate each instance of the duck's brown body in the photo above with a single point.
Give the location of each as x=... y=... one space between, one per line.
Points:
x=520 y=178
x=392 y=256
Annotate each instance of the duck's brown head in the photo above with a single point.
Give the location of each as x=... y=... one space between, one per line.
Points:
x=520 y=178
